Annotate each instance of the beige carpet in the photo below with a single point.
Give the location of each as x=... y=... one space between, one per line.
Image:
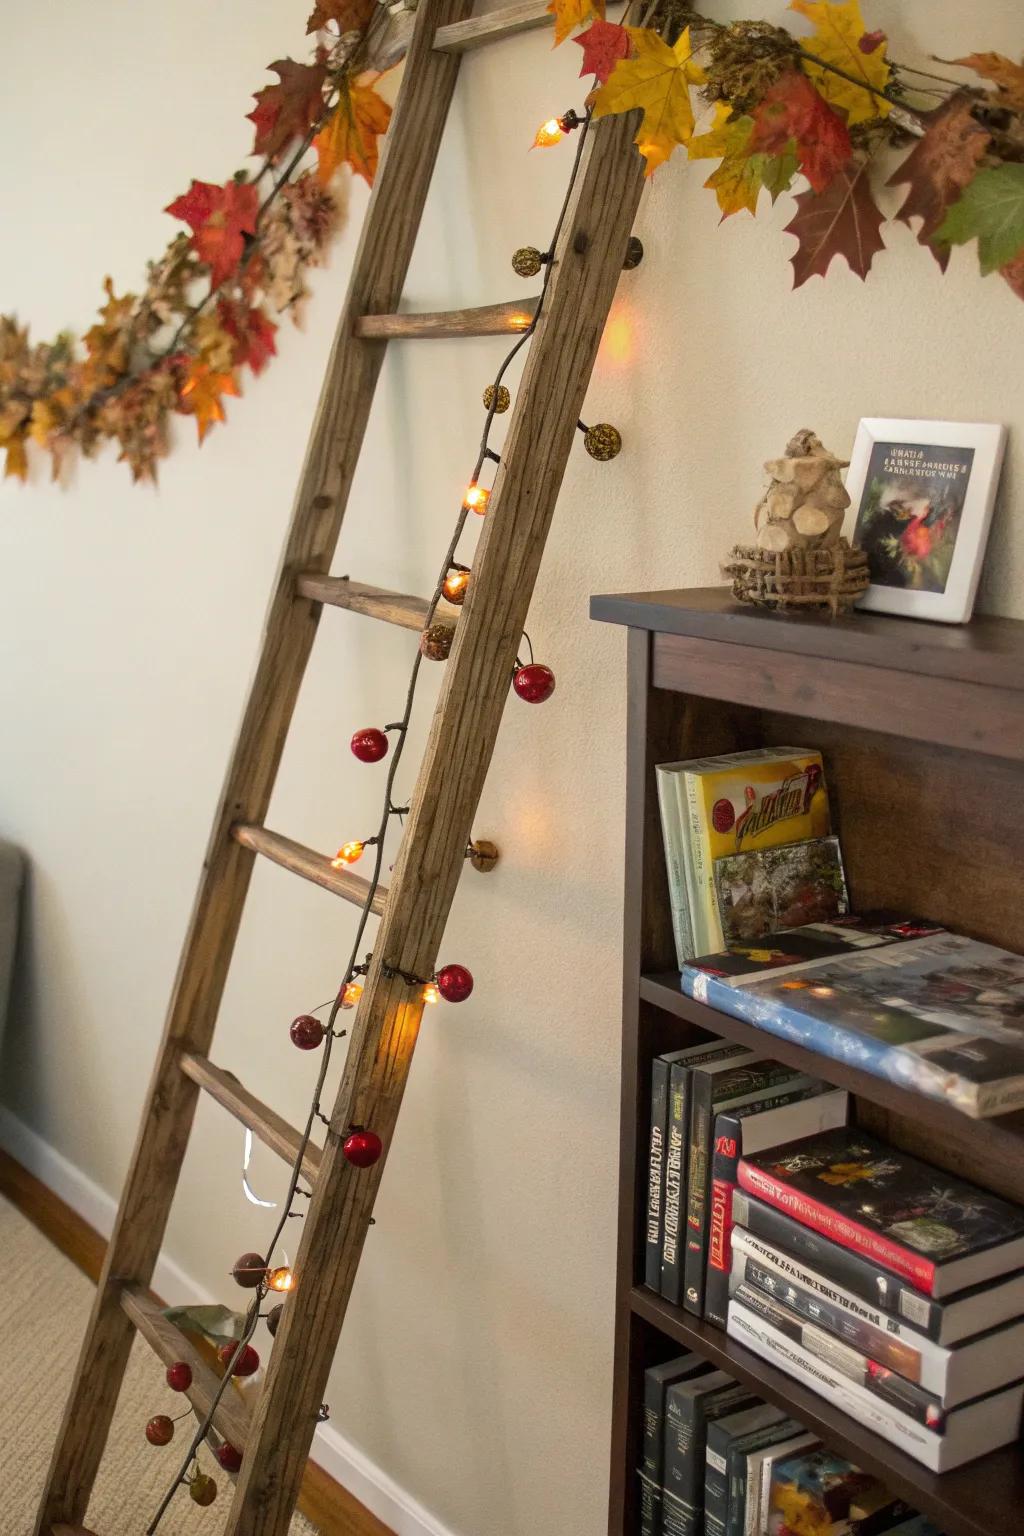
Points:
x=45 y=1303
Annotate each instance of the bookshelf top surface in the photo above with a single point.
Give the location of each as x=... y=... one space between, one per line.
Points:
x=987 y=650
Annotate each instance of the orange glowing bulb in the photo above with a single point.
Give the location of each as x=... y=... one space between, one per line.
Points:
x=281 y=1279
x=351 y=993
x=476 y=498
x=430 y=994
x=347 y=854
x=549 y=133
x=455 y=584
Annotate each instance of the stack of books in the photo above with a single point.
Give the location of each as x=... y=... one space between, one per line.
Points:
x=718 y=1461
x=892 y=1288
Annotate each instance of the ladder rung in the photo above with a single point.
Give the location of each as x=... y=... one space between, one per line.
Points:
x=485 y=320
x=375 y=602
x=270 y=1127
x=231 y=1418
x=458 y=36
x=310 y=865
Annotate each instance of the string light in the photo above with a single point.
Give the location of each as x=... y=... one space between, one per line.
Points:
x=249 y=1271
x=454 y=982
x=555 y=129
x=347 y=854
x=307 y=1032
x=351 y=992
x=476 y=498
x=500 y=398
x=534 y=683
x=362 y=1148
x=429 y=994
x=369 y=745
x=282 y=1279
x=602 y=441
x=455 y=585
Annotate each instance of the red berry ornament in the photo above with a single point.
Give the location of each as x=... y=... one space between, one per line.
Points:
x=247 y=1363
x=274 y=1319
x=534 y=683
x=229 y=1458
x=160 y=1430
x=723 y=816
x=370 y=745
x=454 y=983
x=306 y=1032
x=179 y=1376
x=202 y=1489
x=362 y=1148
x=249 y=1270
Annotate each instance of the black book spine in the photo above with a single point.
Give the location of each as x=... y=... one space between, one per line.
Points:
x=650 y=1507
x=656 y=1172
x=880 y=1286
x=736 y=1470
x=686 y=1418
x=671 y=1278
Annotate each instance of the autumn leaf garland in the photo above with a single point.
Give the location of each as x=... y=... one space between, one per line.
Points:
x=205 y=313
x=768 y=105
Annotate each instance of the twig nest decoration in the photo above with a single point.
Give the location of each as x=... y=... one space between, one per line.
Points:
x=436 y=641
x=801 y=560
x=804 y=506
x=602 y=441
x=503 y=402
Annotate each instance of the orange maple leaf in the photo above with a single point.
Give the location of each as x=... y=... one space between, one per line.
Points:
x=570 y=14
x=220 y=219
x=350 y=134
x=200 y=395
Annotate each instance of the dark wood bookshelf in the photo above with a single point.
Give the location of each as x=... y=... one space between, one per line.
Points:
x=922 y=731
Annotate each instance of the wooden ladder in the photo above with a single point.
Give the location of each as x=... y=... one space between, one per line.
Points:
x=586 y=264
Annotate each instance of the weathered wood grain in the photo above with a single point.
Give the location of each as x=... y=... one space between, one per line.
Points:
x=381 y=263
x=271 y=1128
x=475 y=31
x=587 y=266
x=312 y=866
x=357 y=597
x=144 y=1312
x=486 y=320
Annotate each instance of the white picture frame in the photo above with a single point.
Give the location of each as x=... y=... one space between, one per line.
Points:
x=922 y=495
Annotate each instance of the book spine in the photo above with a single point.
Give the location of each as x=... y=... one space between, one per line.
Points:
x=650 y=1506
x=686 y=1415
x=887 y=1291
x=770 y=1344
x=672 y=831
x=654 y=1426
x=671 y=1273
x=832 y=1224
x=716 y=1491
x=817 y=1301
x=707 y=930
x=679 y=1518
x=859 y=1368
x=656 y=1173
x=724 y=1163
x=701 y=1095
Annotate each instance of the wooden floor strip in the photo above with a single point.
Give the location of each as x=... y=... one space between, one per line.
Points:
x=485 y=320
x=316 y=867
x=271 y=1128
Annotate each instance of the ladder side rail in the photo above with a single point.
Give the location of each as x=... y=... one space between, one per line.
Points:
x=589 y=260
x=385 y=249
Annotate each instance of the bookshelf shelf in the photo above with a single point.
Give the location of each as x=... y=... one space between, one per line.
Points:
x=922 y=728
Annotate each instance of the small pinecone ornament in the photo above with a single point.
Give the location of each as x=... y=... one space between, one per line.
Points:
x=504 y=399
x=602 y=441
x=744 y=61
x=527 y=261
x=436 y=641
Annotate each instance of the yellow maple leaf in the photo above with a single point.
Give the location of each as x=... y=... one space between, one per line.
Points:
x=351 y=132
x=658 y=79
x=838 y=29
x=713 y=143
x=201 y=395
x=570 y=14
x=16 y=459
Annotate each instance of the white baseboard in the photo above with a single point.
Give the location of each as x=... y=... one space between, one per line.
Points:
x=345 y=1462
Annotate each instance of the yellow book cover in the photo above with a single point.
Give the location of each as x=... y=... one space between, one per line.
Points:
x=754 y=802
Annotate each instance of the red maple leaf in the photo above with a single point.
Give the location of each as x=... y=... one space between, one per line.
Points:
x=253 y=332
x=604 y=43
x=289 y=110
x=939 y=167
x=843 y=221
x=794 y=110
x=220 y=218
x=348 y=15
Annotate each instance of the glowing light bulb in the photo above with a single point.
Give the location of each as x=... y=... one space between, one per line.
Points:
x=454 y=588
x=476 y=498
x=281 y=1279
x=430 y=994
x=549 y=133
x=347 y=854
x=351 y=993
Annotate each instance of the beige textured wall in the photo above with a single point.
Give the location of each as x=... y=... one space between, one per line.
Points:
x=476 y=1366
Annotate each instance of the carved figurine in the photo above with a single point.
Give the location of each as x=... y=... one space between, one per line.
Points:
x=803 y=507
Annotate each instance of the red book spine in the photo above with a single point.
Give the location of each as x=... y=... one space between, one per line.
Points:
x=841 y=1229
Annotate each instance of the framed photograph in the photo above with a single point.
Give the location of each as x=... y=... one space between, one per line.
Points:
x=922 y=494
